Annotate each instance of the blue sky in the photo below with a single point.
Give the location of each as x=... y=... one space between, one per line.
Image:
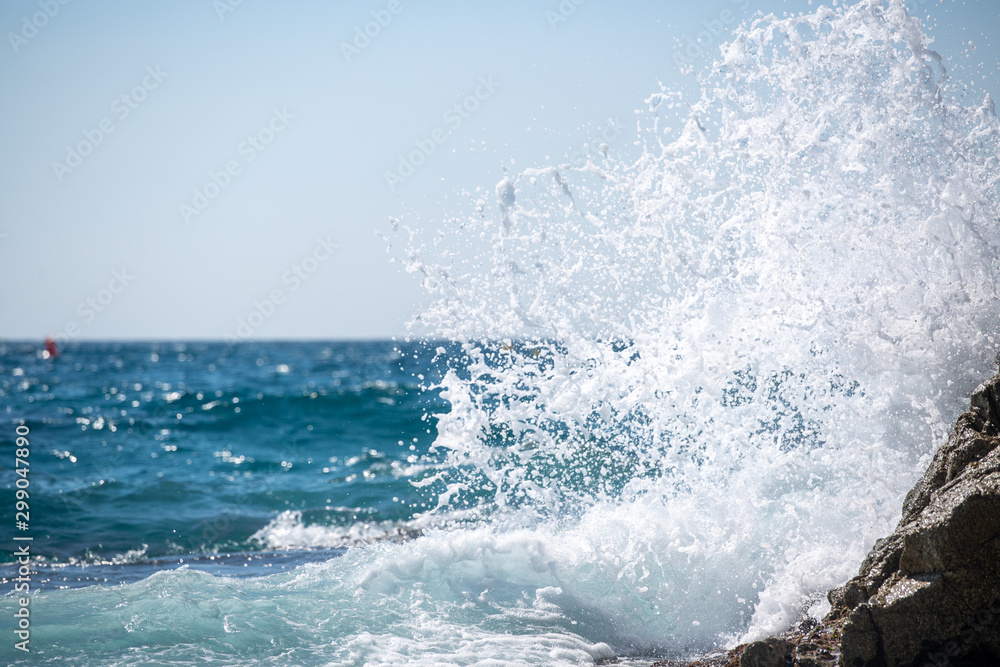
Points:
x=233 y=155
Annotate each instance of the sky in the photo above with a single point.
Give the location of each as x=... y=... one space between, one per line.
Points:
x=219 y=169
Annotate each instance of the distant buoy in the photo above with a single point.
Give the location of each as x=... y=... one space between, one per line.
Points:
x=51 y=349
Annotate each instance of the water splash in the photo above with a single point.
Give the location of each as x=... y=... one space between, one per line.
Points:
x=735 y=354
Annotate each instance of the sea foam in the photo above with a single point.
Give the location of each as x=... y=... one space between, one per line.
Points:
x=721 y=366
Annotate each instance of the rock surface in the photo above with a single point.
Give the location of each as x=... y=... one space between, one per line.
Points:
x=771 y=652
x=929 y=593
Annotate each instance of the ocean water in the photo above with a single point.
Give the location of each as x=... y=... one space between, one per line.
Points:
x=682 y=395
x=236 y=460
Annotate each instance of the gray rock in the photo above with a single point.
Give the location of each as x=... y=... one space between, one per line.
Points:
x=771 y=652
x=930 y=592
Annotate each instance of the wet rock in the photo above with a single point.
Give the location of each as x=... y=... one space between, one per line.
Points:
x=771 y=652
x=930 y=592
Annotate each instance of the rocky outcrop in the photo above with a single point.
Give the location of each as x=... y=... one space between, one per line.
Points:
x=930 y=592
x=928 y=595
x=771 y=652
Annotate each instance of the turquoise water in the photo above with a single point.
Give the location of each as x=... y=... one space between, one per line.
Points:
x=145 y=456
x=250 y=504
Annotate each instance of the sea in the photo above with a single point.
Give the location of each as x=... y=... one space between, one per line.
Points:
x=659 y=401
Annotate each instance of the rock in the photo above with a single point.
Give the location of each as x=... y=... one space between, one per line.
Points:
x=930 y=592
x=771 y=652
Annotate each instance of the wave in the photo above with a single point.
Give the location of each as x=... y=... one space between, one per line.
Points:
x=754 y=335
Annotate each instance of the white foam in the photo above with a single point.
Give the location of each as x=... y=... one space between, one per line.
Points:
x=752 y=338
x=287 y=530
